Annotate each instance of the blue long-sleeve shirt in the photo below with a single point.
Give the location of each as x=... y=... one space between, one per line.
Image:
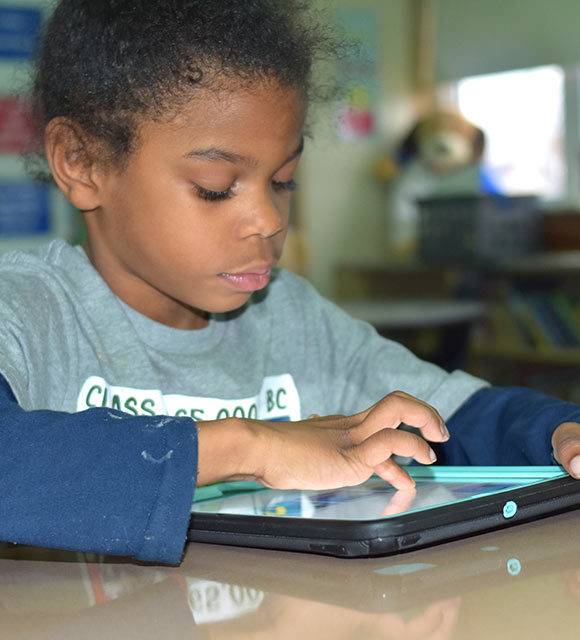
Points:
x=99 y=480
x=505 y=426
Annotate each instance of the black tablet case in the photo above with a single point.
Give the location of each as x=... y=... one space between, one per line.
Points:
x=391 y=535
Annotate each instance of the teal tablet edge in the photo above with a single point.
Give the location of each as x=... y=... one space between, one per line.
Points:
x=438 y=472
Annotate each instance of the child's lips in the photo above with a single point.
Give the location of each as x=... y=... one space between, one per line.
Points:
x=248 y=281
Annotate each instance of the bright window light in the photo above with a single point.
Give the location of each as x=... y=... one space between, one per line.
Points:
x=522 y=115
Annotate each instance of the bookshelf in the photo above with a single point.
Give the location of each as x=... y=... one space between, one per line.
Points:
x=529 y=334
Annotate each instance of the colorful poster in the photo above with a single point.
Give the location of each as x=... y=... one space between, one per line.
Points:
x=16 y=130
x=358 y=75
x=19 y=29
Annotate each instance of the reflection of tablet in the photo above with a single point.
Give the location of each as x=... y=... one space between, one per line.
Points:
x=381 y=584
x=373 y=519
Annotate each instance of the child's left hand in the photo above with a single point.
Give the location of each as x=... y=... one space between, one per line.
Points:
x=566 y=446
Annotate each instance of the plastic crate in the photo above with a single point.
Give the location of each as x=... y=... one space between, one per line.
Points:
x=477 y=228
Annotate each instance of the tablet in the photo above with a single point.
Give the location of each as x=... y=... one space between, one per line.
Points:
x=374 y=519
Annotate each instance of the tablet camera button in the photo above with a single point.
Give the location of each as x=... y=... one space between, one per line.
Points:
x=510 y=509
x=514 y=566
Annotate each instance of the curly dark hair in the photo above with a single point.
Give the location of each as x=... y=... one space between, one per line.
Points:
x=105 y=64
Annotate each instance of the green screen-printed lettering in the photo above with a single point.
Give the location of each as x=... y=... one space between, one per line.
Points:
x=148 y=407
x=91 y=399
x=196 y=414
x=130 y=405
x=281 y=392
x=276 y=398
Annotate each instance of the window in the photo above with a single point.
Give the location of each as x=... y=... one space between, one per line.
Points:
x=523 y=116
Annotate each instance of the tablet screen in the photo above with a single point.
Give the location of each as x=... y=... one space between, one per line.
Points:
x=375 y=498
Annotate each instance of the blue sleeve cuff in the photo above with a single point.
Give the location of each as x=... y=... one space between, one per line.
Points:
x=166 y=531
x=505 y=426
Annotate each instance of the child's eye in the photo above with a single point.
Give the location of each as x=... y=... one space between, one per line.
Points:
x=278 y=185
x=212 y=196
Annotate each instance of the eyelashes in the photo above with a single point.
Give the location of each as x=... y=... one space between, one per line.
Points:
x=212 y=196
x=216 y=196
x=290 y=185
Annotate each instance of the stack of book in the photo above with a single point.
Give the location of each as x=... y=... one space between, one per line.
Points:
x=545 y=320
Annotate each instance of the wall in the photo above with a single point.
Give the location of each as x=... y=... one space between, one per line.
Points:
x=342 y=206
x=344 y=210
x=528 y=33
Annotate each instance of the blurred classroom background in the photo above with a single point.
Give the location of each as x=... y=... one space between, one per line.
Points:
x=440 y=198
x=30 y=211
x=439 y=195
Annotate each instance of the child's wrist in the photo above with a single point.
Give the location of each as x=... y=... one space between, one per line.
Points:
x=226 y=451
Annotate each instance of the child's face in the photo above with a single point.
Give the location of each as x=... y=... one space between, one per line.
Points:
x=198 y=216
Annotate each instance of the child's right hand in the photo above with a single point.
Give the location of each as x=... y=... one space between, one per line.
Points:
x=566 y=447
x=321 y=452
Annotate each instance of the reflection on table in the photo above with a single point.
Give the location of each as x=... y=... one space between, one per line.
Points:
x=522 y=582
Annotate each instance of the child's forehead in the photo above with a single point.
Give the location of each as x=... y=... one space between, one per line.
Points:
x=231 y=117
x=230 y=102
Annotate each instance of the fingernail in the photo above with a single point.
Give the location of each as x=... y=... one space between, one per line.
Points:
x=444 y=431
x=432 y=455
x=575 y=466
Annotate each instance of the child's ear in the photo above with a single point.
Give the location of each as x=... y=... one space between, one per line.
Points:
x=72 y=163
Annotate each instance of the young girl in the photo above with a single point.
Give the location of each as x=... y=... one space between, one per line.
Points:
x=167 y=351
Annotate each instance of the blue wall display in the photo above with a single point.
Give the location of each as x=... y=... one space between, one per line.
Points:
x=19 y=29
x=24 y=209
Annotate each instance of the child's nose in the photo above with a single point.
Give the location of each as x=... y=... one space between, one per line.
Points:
x=263 y=218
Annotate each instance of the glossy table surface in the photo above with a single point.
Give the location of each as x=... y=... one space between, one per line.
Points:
x=522 y=582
